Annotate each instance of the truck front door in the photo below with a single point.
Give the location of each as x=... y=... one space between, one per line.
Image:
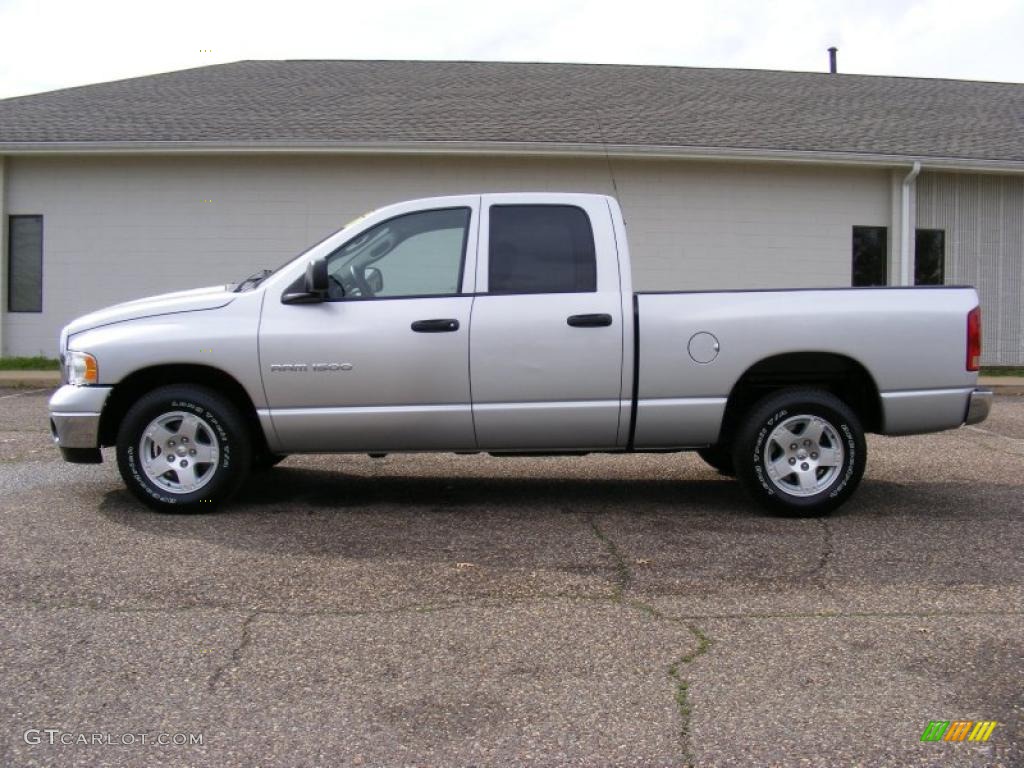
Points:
x=383 y=363
x=547 y=329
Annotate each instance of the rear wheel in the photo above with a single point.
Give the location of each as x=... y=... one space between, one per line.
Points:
x=800 y=452
x=183 y=448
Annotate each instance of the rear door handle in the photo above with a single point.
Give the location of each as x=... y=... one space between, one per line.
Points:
x=589 y=321
x=445 y=325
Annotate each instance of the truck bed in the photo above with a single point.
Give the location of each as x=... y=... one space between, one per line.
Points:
x=901 y=335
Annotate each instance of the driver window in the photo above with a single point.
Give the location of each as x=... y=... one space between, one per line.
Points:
x=418 y=254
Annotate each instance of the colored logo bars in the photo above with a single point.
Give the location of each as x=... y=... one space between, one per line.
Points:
x=958 y=730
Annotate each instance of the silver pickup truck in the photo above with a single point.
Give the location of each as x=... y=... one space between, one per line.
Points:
x=507 y=323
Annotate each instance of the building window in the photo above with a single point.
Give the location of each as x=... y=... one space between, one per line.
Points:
x=25 y=264
x=929 y=257
x=870 y=256
x=541 y=249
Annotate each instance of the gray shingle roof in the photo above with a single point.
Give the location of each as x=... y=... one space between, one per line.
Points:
x=355 y=102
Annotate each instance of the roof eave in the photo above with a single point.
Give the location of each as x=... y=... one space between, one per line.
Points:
x=544 y=149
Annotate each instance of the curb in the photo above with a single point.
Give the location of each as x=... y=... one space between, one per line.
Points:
x=1003 y=385
x=1006 y=389
x=30 y=379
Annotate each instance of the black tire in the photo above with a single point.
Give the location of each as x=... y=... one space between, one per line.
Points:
x=220 y=426
x=827 y=487
x=719 y=457
x=263 y=461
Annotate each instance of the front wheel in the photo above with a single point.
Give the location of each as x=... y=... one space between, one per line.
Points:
x=719 y=456
x=800 y=452
x=183 y=448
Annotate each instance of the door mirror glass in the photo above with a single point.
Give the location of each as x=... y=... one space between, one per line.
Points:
x=316 y=278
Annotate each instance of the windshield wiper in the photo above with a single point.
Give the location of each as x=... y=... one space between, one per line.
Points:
x=253 y=280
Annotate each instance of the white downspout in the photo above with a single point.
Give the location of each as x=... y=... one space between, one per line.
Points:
x=905 y=228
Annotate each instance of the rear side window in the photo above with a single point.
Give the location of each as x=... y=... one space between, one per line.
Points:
x=541 y=249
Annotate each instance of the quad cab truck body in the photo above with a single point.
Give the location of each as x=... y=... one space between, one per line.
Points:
x=507 y=323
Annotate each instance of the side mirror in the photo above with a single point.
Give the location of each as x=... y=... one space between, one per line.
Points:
x=314 y=285
x=374 y=279
x=316 y=278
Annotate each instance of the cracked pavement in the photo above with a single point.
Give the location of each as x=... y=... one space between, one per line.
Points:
x=437 y=610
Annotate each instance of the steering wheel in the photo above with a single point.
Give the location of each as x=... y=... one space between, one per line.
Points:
x=339 y=283
x=347 y=284
x=357 y=277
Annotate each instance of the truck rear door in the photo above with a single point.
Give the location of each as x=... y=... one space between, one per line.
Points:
x=546 y=341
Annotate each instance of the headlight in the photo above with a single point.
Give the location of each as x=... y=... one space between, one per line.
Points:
x=80 y=368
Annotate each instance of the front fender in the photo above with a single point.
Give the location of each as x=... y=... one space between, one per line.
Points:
x=224 y=338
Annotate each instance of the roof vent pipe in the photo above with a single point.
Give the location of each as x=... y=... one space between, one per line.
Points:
x=832 y=59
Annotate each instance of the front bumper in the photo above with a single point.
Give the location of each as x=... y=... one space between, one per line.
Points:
x=978 y=406
x=75 y=422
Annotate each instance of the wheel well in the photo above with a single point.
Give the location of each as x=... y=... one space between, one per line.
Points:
x=842 y=376
x=136 y=384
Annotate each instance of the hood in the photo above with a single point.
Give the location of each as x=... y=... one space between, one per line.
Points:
x=211 y=297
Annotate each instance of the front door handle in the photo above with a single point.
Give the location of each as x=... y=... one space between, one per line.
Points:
x=589 y=321
x=446 y=325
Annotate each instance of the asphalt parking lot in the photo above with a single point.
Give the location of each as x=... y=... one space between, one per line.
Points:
x=439 y=610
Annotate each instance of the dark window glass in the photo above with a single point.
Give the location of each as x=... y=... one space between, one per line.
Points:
x=25 y=264
x=929 y=257
x=541 y=249
x=870 y=256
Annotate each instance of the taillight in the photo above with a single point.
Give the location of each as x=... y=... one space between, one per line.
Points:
x=974 y=339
